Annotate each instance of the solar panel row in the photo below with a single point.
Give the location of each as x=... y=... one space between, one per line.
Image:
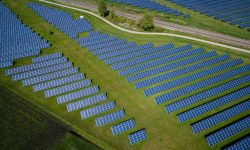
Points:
x=192 y=77
x=236 y=12
x=228 y=131
x=209 y=106
x=204 y=95
x=204 y=83
x=220 y=117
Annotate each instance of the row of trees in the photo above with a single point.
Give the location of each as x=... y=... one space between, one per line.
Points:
x=146 y=23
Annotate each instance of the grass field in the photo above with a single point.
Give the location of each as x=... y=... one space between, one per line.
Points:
x=164 y=131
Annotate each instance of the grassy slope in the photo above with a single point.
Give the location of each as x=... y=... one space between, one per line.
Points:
x=160 y=126
x=23 y=126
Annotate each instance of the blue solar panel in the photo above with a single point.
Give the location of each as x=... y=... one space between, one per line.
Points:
x=42 y=71
x=243 y=144
x=17 y=39
x=78 y=94
x=201 y=84
x=197 y=111
x=67 y=88
x=97 y=109
x=162 y=60
x=62 y=20
x=181 y=71
x=33 y=66
x=86 y=102
x=106 y=119
x=123 y=126
x=51 y=76
x=47 y=57
x=228 y=131
x=220 y=117
x=204 y=95
x=138 y=136
x=152 y=5
x=58 y=82
x=168 y=67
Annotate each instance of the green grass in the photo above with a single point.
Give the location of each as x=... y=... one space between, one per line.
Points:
x=164 y=131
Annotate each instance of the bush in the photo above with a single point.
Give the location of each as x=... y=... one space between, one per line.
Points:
x=146 y=23
x=102 y=8
x=112 y=14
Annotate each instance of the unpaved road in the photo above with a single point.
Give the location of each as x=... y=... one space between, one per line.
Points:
x=218 y=37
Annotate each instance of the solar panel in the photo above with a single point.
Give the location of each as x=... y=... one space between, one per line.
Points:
x=243 y=144
x=228 y=131
x=123 y=126
x=58 y=82
x=51 y=76
x=33 y=66
x=67 y=88
x=204 y=95
x=78 y=94
x=138 y=136
x=47 y=57
x=220 y=117
x=97 y=109
x=106 y=119
x=199 y=110
x=86 y=102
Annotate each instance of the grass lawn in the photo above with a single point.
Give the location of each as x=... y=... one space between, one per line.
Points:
x=164 y=130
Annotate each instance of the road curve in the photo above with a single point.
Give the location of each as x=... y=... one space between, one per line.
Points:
x=147 y=33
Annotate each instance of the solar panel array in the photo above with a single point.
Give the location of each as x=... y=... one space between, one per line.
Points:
x=220 y=117
x=232 y=129
x=235 y=12
x=207 y=94
x=111 y=117
x=243 y=144
x=98 y=109
x=123 y=126
x=17 y=40
x=209 y=106
x=138 y=136
x=152 y=5
x=188 y=80
x=62 y=20
x=46 y=74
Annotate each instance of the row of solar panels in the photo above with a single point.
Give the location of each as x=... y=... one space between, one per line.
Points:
x=236 y=12
x=69 y=88
x=62 y=20
x=161 y=69
x=16 y=39
x=152 y=5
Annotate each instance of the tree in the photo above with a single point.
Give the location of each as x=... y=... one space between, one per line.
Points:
x=146 y=23
x=102 y=8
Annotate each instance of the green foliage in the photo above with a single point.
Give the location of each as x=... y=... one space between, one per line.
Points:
x=146 y=23
x=102 y=8
x=112 y=14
